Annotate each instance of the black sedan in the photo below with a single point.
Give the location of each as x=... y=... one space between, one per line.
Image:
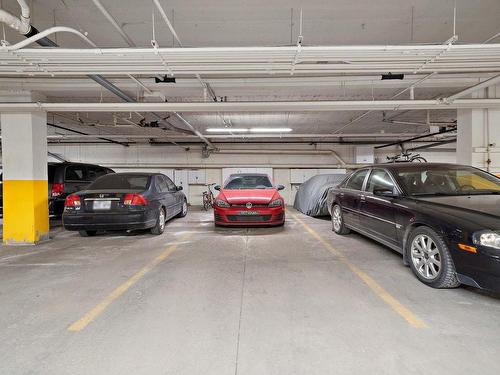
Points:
x=125 y=201
x=443 y=218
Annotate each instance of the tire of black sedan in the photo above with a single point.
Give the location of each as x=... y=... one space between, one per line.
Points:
x=430 y=259
x=338 y=225
x=184 y=209
x=160 y=222
x=87 y=233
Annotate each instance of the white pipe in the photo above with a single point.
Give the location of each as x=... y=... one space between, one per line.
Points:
x=224 y=136
x=272 y=106
x=25 y=16
x=489 y=82
x=13 y=22
x=167 y=21
x=110 y=18
x=45 y=33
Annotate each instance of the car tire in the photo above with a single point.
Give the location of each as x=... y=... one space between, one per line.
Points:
x=184 y=209
x=338 y=225
x=430 y=259
x=160 y=222
x=87 y=233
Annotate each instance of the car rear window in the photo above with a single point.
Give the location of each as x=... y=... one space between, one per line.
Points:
x=121 y=182
x=75 y=173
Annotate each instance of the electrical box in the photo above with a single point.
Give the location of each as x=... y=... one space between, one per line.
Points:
x=365 y=155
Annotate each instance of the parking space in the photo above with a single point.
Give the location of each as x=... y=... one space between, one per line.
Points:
x=200 y=299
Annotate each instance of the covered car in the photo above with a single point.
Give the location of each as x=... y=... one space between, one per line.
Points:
x=311 y=198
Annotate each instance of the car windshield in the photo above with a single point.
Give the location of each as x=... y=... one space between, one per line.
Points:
x=447 y=181
x=121 y=182
x=248 y=182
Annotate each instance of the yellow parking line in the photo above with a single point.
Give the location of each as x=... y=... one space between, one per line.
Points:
x=397 y=306
x=93 y=313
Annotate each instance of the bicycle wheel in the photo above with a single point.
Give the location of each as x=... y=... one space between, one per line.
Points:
x=206 y=201
x=418 y=159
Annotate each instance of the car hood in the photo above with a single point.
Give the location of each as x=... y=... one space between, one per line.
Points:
x=476 y=204
x=260 y=196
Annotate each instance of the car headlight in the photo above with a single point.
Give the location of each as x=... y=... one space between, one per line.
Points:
x=276 y=203
x=221 y=203
x=487 y=238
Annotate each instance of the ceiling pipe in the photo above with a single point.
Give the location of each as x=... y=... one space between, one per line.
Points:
x=82 y=133
x=482 y=85
x=371 y=136
x=110 y=18
x=252 y=107
x=21 y=24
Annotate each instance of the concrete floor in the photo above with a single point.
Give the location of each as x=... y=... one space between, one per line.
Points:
x=241 y=301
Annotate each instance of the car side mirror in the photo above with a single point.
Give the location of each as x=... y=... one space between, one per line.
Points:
x=280 y=187
x=388 y=193
x=217 y=187
x=179 y=188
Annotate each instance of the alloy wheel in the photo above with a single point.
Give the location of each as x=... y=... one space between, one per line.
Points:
x=184 y=208
x=161 y=219
x=426 y=257
x=336 y=218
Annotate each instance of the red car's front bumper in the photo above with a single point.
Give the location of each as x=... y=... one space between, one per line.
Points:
x=239 y=216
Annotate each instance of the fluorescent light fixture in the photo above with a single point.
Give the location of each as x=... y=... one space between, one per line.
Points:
x=270 y=130
x=227 y=130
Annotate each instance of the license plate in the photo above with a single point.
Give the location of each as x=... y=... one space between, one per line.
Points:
x=249 y=213
x=102 y=205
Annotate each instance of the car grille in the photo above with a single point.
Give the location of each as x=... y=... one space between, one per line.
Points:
x=253 y=205
x=249 y=218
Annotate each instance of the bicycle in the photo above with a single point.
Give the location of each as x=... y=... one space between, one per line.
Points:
x=405 y=157
x=208 y=197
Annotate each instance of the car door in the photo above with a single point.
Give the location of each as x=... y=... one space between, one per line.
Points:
x=166 y=195
x=350 y=195
x=377 y=212
x=177 y=196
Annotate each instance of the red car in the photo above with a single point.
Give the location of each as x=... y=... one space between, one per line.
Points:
x=249 y=199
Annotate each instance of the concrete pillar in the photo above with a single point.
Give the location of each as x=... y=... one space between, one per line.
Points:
x=478 y=138
x=25 y=187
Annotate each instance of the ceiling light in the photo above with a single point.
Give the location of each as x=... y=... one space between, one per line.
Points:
x=270 y=130
x=227 y=130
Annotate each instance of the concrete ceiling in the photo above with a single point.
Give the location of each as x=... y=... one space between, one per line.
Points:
x=263 y=23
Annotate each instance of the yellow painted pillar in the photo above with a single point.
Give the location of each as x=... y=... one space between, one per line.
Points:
x=25 y=187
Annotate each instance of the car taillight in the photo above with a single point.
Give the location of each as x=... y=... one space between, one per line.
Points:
x=72 y=200
x=134 y=200
x=57 y=190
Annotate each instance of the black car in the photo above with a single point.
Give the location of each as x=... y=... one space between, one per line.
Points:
x=66 y=178
x=443 y=218
x=125 y=201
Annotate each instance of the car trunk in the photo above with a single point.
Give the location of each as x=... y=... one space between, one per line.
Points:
x=105 y=201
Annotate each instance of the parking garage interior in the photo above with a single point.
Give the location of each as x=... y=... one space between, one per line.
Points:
x=198 y=92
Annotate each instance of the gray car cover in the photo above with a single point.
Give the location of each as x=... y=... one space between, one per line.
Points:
x=311 y=196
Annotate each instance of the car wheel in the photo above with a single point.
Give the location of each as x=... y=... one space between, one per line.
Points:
x=184 y=209
x=338 y=225
x=160 y=222
x=430 y=259
x=87 y=233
